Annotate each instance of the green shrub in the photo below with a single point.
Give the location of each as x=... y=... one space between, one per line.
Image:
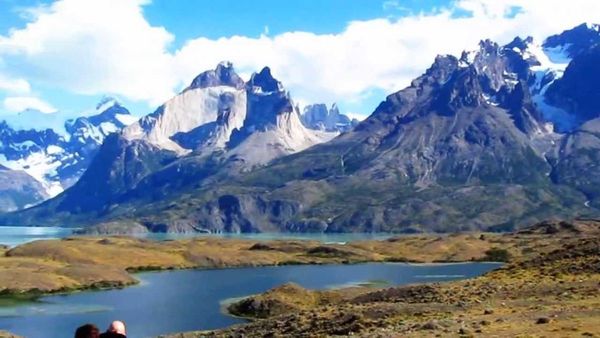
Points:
x=497 y=255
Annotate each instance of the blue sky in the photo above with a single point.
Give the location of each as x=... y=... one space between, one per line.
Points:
x=188 y=19
x=65 y=55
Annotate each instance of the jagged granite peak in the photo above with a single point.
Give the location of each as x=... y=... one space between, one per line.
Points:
x=574 y=41
x=223 y=75
x=319 y=117
x=193 y=111
x=272 y=127
x=264 y=82
x=512 y=67
x=207 y=119
x=196 y=137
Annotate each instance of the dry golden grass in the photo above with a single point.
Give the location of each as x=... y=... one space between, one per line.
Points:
x=82 y=262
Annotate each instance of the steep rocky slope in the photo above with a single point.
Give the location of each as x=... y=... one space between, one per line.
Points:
x=19 y=190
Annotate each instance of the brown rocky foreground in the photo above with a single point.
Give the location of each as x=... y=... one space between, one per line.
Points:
x=549 y=288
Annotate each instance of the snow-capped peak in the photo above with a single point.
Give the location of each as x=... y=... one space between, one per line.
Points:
x=593 y=26
x=54 y=149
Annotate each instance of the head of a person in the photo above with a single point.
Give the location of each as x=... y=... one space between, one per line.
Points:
x=87 y=331
x=117 y=327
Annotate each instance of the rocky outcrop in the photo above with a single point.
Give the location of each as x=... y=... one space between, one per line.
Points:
x=19 y=190
x=318 y=117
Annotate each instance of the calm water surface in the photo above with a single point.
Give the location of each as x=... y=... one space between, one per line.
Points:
x=176 y=301
x=13 y=236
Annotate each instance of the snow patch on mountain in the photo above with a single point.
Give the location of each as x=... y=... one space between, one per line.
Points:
x=126 y=119
x=40 y=166
x=55 y=149
x=550 y=66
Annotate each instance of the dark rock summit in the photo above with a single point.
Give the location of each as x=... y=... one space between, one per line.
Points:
x=578 y=91
x=319 y=117
x=222 y=75
x=575 y=41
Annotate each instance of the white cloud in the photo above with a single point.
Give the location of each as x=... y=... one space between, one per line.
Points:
x=19 y=86
x=107 y=46
x=94 y=46
x=383 y=54
x=16 y=104
x=394 y=5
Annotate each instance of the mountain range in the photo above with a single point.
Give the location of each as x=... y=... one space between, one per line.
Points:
x=498 y=136
x=46 y=153
x=51 y=152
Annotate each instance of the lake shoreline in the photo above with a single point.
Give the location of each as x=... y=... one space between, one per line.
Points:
x=549 y=289
x=77 y=260
x=193 y=299
x=74 y=264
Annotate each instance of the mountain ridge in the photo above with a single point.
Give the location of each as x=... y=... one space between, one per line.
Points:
x=469 y=145
x=55 y=150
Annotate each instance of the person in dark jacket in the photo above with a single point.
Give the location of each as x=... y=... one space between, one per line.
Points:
x=87 y=331
x=115 y=330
